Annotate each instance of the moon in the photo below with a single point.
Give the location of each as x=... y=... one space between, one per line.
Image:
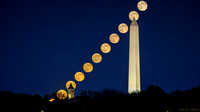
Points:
x=62 y=94
x=133 y=14
x=114 y=38
x=51 y=100
x=87 y=67
x=96 y=58
x=142 y=5
x=105 y=48
x=79 y=76
x=70 y=82
x=123 y=28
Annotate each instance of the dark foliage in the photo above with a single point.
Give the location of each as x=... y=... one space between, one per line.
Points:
x=152 y=99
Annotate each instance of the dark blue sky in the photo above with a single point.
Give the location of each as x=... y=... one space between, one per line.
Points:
x=44 y=43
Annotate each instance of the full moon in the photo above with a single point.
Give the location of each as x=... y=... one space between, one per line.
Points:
x=114 y=38
x=96 y=58
x=133 y=14
x=123 y=28
x=105 y=48
x=142 y=5
x=79 y=76
x=70 y=82
x=62 y=94
x=87 y=67
x=51 y=100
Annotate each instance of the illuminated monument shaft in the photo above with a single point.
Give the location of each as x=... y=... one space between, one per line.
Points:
x=134 y=58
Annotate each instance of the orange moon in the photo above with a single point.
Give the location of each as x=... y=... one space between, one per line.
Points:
x=62 y=94
x=142 y=5
x=87 y=67
x=105 y=48
x=70 y=82
x=123 y=28
x=96 y=58
x=51 y=100
x=79 y=76
x=133 y=14
x=114 y=38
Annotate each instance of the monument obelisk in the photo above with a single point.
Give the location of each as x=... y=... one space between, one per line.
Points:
x=134 y=58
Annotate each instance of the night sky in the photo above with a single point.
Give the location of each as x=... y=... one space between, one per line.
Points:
x=44 y=43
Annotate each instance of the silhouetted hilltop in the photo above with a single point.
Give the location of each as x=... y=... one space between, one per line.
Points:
x=152 y=99
x=21 y=102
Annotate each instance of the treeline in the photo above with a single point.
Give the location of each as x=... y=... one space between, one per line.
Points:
x=152 y=99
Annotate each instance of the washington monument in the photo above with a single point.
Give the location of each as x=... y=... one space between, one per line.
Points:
x=134 y=58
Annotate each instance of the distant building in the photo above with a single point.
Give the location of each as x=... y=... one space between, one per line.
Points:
x=70 y=92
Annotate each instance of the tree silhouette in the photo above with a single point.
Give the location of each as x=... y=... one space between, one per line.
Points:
x=152 y=99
